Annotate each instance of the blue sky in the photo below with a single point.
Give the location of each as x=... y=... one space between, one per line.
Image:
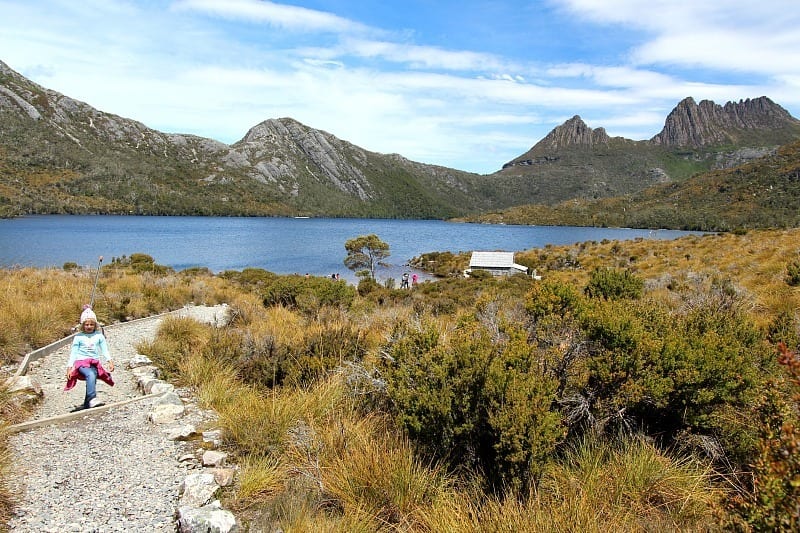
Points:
x=466 y=84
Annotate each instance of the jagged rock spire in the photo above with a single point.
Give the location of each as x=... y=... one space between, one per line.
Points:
x=707 y=123
x=573 y=132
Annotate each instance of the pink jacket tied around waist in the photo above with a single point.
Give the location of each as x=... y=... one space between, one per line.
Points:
x=102 y=374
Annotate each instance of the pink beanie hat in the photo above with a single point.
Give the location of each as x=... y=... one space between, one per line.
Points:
x=88 y=314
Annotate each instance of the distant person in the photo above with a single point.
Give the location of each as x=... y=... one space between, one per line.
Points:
x=414 y=279
x=89 y=351
x=404 y=281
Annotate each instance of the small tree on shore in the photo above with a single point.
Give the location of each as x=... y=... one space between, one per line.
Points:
x=364 y=254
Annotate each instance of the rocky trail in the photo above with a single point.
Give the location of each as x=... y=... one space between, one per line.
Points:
x=144 y=461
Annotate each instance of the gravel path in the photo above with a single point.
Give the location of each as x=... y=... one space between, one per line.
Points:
x=113 y=471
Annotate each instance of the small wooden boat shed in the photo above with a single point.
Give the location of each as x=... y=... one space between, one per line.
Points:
x=498 y=263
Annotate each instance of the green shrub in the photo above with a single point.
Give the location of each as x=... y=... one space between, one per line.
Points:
x=770 y=501
x=673 y=372
x=307 y=293
x=367 y=286
x=793 y=274
x=139 y=263
x=322 y=347
x=551 y=298
x=476 y=399
x=613 y=284
x=480 y=274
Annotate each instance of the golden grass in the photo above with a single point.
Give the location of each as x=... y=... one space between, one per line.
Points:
x=378 y=472
x=8 y=499
x=259 y=479
x=38 y=307
x=626 y=486
x=755 y=263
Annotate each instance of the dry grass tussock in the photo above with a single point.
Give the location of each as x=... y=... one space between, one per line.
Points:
x=755 y=263
x=38 y=307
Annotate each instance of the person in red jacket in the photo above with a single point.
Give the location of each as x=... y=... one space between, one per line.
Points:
x=89 y=351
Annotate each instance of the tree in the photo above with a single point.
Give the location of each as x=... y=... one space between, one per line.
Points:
x=364 y=253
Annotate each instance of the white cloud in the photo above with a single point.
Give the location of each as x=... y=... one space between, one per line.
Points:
x=730 y=34
x=425 y=57
x=280 y=15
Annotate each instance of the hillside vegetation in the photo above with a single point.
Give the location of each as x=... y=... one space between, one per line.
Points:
x=638 y=385
x=764 y=193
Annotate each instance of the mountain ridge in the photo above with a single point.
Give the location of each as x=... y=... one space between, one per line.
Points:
x=60 y=155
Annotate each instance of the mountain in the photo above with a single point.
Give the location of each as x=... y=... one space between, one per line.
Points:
x=576 y=161
x=761 y=193
x=59 y=155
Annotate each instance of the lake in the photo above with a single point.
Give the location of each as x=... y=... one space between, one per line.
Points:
x=280 y=245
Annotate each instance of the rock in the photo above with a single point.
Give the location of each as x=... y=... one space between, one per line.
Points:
x=212 y=438
x=24 y=385
x=140 y=371
x=167 y=409
x=214 y=458
x=156 y=386
x=224 y=476
x=164 y=414
x=574 y=132
x=170 y=399
x=139 y=360
x=707 y=123
x=198 y=489
x=210 y=518
x=184 y=432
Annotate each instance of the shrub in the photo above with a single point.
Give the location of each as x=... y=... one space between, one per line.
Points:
x=675 y=371
x=307 y=293
x=138 y=263
x=793 y=274
x=772 y=505
x=326 y=345
x=613 y=284
x=476 y=399
x=480 y=274
x=551 y=298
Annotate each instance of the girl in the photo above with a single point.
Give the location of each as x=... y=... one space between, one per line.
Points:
x=88 y=348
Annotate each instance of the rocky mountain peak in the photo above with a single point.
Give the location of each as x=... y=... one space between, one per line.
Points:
x=573 y=132
x=695 y=125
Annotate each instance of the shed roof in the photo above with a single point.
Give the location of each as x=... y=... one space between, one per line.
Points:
x=492 y=259
x=495 y=260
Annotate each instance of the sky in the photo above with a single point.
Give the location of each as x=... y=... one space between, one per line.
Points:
x=467 y=84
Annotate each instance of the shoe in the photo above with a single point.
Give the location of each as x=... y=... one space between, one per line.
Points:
x=94 y=402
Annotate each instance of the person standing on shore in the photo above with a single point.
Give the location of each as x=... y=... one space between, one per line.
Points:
x=88 y=353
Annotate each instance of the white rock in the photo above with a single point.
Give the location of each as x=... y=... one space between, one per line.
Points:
x=184 y=432
x=139 y=360
x=214 y=458
x=210 y=518
x=164 y=414
x=197 y=490
x=24 y=385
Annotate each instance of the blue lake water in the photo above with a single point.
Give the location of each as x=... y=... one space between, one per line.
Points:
x=280 y=245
